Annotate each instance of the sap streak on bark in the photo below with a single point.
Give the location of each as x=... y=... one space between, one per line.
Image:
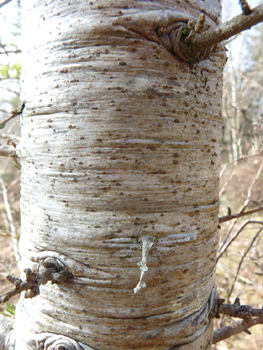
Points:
x=120 y=140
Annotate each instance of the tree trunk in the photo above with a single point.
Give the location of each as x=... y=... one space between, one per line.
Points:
x=120 y=161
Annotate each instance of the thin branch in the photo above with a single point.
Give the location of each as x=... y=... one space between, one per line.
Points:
x=243 y=206
x=237 y=160
x=14 y=113
x=244 y=213
x=11 y=222
x=234 y=328
x=242 y=279
x=11 y=137
x=227 y=235
x=13 y=183
x=10 y=51
x=245 y=312
x=237 y=310
x=227 y=182
x=230 y=40
x=4 y=111
x=250 y=188
x=224 y=31
x=50 y=269
x=9 y=78
x=7 y=151
x=4 y=3
x=19 y=286
x=242 y=259
x=226 y=245
x=9 y=90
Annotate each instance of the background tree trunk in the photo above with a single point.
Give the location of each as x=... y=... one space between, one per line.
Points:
x=120 y=146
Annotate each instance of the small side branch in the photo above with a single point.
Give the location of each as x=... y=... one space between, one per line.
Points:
x=30 y=284
x=14 y=113
x=245 y=7
x=50 y=269
x=234 y=328
x=235 y=216
x=222 y=32
x=7 y=151
x=239 y=311
x=2 y=3
x=244 y=312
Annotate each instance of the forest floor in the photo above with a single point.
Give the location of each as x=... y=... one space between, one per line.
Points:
x=236 y=181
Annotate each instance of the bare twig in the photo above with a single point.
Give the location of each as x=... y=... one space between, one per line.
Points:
x=11 y=137
x=13 y=183
x=242 y=259
x=10 y=51
x=250 y=188
x=14 y=113
x=195 y=27
x=4 y=3
x=222 y=32
x=234 y=328
x=11 y=222
x=230 y=40
x=237 y=310
x=242 y=279
x=224 y=247
x=227 y=182
x=237 y=160
x=3 y=111
x=245 y=312
x=9 y=90
x=50 y=269
x=243 y=206
x=19 y=286
x=244 y=213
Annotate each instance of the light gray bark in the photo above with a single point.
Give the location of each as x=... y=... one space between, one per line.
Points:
x=6 y=333
x=120 y=146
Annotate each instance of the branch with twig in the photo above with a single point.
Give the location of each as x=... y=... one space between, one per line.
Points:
x=238 y=24
x=244 y=312
x=239 y=215
x=50 y=269
x=234 y=328
x=14 y=113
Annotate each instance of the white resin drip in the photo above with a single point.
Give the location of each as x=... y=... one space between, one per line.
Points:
x=147 y=243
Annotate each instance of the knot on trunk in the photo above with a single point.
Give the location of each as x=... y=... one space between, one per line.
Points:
x=50 y=341
x=177 y=39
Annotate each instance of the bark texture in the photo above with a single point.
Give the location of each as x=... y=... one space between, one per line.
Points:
x=120 y=146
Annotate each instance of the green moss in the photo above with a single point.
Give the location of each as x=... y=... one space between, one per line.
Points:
x=185 y=31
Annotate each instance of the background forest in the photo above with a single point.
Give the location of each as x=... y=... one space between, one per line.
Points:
x=240 y=256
